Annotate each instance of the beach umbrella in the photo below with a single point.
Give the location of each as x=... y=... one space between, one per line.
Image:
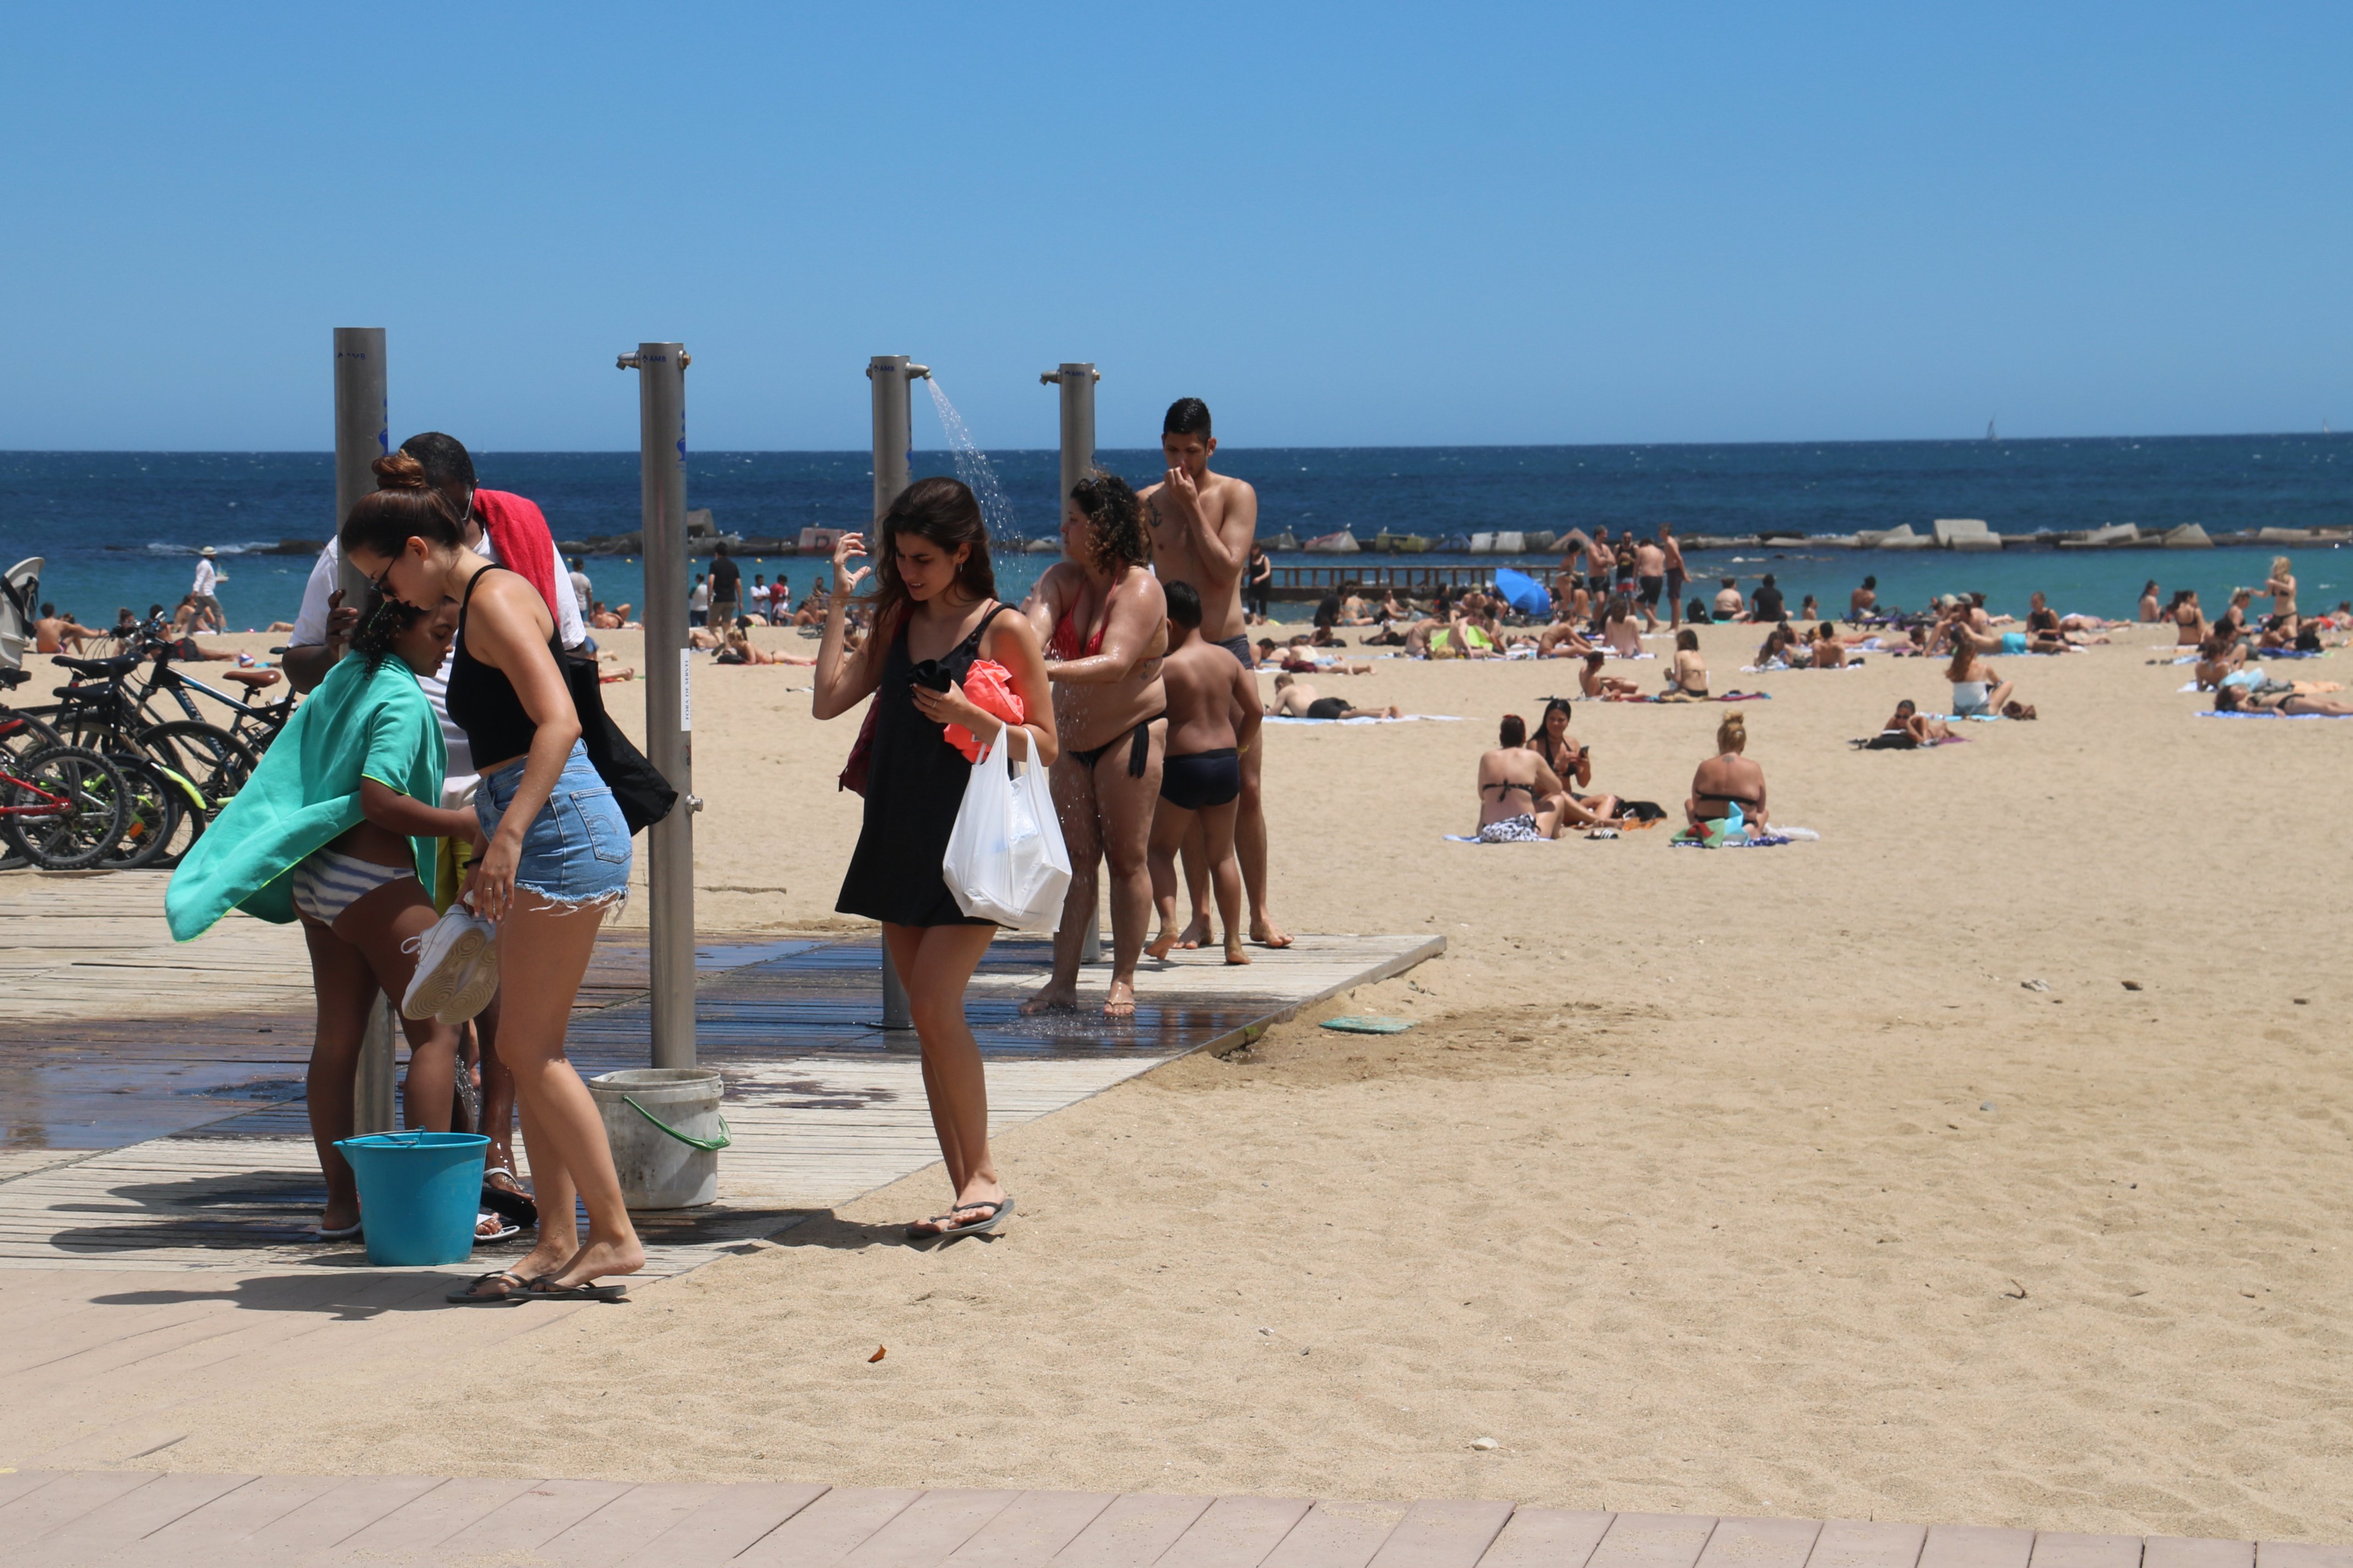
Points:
x=1522 y=592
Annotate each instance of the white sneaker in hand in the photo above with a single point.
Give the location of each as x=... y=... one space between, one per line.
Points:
x=451 y=960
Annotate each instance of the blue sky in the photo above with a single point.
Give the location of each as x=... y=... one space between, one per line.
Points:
x=1340 y=225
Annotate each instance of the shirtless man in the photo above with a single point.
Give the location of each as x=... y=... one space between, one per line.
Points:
x=1202 y=526
x=1650 y=580
x=54 y=633
x=1729 y=604
x=1294 y=698
x=1601 y=559
x=1675 y=576
x=1213 y=712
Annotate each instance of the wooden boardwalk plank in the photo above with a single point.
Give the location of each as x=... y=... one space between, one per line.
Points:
x=1547 y=1537
x=523 y=1523
x=1760 y=1543
x=1336 y=1535
x=1033 y=1528
x=414 y=1529
x=1653 y=1540
x=1444 y=1534
x=2061 y=1549
x=715 y=1531
x=1864 y=1544
x=1978 y=1546
x=138 y=1513
x=2174 y=1551
x=927 y=1531
x=335 y=1515
x=222 y=1525
x=14 y=1484
x=1236 y=1533
x=1137 y=1528
x=2301 y=1554
x=66 y=1500
x=831 y=1528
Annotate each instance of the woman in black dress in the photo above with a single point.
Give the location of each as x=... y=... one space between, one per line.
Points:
x=935 y=611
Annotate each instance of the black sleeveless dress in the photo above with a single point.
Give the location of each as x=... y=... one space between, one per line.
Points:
x=914 y=783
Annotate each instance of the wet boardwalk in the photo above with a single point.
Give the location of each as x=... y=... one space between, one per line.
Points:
x=124 y=1517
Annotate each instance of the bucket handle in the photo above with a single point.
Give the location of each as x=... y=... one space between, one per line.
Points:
x=708 y=1145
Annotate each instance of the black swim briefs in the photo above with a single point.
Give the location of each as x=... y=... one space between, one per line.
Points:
x=1651 y=588
x=1201 y=778
x=1240 y=648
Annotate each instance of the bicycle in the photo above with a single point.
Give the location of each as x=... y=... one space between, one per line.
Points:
x=257 y=725
x=97 y=711
x=62 y=807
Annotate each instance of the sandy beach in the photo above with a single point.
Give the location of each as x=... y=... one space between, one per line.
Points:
x=1985 y=1161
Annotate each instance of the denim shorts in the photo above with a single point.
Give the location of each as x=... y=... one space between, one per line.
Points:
x=576 y=851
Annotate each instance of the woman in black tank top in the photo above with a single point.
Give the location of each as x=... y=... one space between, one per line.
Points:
x=557 y=859
x=935 y=612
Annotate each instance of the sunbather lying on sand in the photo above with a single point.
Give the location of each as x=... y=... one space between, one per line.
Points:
x=1911 y=721
x=1294 y=698
x=2255 y=699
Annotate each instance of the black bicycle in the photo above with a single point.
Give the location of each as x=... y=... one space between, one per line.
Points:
x=97 y=710
x=255 y=724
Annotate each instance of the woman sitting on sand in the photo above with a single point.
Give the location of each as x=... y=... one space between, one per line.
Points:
x=1726 y=781
x=1519 y=797
x=739 y=649
x=1781 y=649
x=2268 y=699
x=1573 y=764
x=1603 y=687
x=1978 y=691
x=2220 y=658
x=2149 y=611
x=1618 y=628
x=1687 y=681
x=2189 y=620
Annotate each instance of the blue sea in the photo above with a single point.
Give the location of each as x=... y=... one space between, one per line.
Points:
x=121 y=528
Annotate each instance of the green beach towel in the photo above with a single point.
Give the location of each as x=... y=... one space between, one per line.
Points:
x=306 y=793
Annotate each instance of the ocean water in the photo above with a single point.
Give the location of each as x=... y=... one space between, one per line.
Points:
x=121 y=528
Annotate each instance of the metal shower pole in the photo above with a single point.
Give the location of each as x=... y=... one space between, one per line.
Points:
x=893 y=376
x=670 y=705
x=363 y=434
x=1078 y=384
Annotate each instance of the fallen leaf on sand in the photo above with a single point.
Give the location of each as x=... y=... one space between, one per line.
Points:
x=878 y=1352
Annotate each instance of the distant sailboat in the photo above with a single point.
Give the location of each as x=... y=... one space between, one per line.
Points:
x=1990 y=432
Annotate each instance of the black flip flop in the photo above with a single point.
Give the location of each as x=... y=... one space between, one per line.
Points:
x=540 y=1290
x=513 y=1206
x=999 y=1211
x=471 y=1296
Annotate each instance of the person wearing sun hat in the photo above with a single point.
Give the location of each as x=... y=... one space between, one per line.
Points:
x=207 y=578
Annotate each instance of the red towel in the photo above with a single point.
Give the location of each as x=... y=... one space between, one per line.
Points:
x=990 y=686
x=519 y=533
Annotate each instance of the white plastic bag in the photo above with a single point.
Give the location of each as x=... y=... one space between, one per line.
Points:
x=1006 y=860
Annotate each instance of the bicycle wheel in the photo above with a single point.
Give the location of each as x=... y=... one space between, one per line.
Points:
x=21 y=733
x=206 y=755
x=155 y=806
x=67 y=806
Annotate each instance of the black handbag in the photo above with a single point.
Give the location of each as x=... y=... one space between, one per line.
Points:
x=638 y=788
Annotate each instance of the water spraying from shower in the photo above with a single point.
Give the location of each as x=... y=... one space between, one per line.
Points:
x=973 y=467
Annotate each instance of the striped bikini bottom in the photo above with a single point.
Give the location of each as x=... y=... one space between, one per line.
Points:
x=326 y=883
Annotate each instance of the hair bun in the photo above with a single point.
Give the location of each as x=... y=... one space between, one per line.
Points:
x=399 y=472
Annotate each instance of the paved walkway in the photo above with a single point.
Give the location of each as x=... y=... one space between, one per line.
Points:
x=127 y=1517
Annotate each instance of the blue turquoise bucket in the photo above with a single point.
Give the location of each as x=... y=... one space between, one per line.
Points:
x=420 y=1194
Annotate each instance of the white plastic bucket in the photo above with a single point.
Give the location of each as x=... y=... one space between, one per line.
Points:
x=666 y=1131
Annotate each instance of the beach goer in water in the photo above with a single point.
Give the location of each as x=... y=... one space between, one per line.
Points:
x=556 y=862
x=2149 y=609
x=1295 y=699
x=1687 y=680
x=1102 y=619
x=1863 y=600
x=1213 y=712
x=935 y=612
x=1978 y=690
x=1603 y=687
x=1519 y=797
x=1923 y=729
x=1729 y=604
x=1726 y=780
x=334 y=831
x=1202 y=525
x=1573 y=764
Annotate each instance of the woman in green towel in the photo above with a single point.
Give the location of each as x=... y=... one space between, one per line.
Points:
x=334 y=830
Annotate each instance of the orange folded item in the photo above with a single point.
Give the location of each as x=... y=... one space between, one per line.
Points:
x=990 y=687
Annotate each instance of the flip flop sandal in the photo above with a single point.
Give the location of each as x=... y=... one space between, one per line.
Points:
x=500 y=1227
x=348 y=1233
x=472 y=1296
x=513 y=1207
x=998 y=1212
x=938 y=1223
x=540 y=1290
